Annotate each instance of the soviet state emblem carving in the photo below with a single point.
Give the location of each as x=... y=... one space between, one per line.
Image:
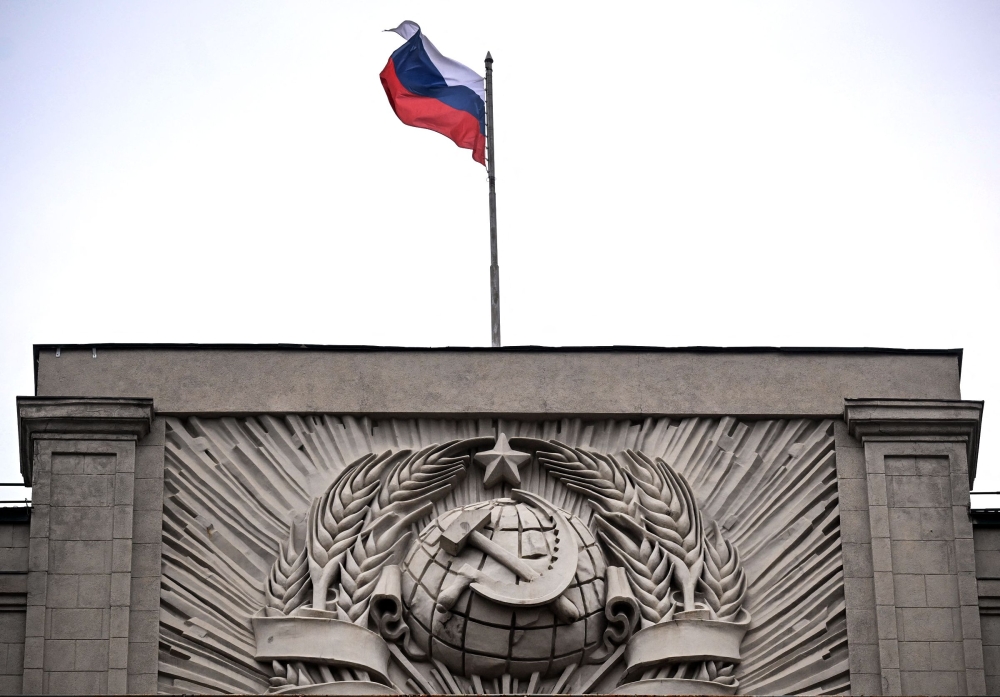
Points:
x=532 y=570
x=408 y=576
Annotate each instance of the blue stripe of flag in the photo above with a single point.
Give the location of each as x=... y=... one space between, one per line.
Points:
x=419 y=75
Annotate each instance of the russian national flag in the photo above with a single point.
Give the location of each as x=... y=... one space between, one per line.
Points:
x=430 y=91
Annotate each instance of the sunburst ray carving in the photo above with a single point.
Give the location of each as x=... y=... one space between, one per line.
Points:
x=233 y=484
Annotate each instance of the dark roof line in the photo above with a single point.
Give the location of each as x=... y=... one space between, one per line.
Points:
x=985 y=517
x=543 y=349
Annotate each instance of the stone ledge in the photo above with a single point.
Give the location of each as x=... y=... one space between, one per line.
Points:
x=917 y=419
x=512 y=382
x=81 y=418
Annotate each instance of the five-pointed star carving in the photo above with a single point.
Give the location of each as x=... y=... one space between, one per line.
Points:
x=501 y=463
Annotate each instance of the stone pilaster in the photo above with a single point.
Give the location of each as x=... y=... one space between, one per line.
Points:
x=79 y=455
x=920 y=460
x=859 y=577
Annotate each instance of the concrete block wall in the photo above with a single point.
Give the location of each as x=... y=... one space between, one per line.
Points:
x=13 y=590
x=144 y=596
x=986 y=533
x=919 y=533
x=80 y=563
x=92 y=583
x=859 y=575
x=931 y=570
x=90 y=623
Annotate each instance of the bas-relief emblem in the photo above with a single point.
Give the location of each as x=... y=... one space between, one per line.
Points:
x=508 y=588
x=568 y=558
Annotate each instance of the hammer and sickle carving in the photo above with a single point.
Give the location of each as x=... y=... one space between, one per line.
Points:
x=536 y=587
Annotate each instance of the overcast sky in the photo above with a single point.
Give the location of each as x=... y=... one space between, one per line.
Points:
x=669 y=174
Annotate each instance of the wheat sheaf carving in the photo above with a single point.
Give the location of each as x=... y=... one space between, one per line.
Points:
x=294 y=513
x=648 y=520
x=723 y=580
x=288 y=583
x=335 y=523
x=362 y=523
x=359 y=525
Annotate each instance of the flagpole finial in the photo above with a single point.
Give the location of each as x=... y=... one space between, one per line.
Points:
x=489 y=58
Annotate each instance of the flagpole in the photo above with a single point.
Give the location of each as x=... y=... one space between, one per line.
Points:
x=491 y=174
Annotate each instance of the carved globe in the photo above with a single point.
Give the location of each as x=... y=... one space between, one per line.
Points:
x=478 y=636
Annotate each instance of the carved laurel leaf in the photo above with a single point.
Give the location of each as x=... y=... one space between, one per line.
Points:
x=287 y=585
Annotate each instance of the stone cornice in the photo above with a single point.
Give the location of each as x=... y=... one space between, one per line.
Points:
x=917 y=419
x=79 y=417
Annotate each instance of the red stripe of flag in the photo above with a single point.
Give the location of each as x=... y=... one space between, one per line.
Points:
x=432 y=114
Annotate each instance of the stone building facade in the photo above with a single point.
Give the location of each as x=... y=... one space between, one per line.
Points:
x=334 y=520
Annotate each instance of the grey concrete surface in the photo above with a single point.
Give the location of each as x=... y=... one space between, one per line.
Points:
x=144 y=594
x=987 y=548
x=859 y=575
x=917 y=461
x=763 y=494
x=80 y=567
x=93 y=418
x=13 y=595
x=508 y=381
x=916 y=619
x=899 y=419
x=82 y=563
